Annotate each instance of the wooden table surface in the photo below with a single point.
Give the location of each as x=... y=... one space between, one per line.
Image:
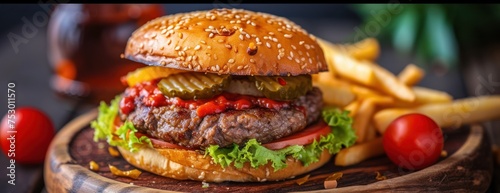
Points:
x=30 y=70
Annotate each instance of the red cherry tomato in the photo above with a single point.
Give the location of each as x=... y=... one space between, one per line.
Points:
x=413 y=141
x=25 y=135
x=303 y=137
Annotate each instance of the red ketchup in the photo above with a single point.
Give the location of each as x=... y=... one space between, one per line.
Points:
x=152 y=96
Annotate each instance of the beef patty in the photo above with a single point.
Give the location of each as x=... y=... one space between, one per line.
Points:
x=182 y=126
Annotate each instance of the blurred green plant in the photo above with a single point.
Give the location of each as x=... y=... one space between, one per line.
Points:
x=435 y=33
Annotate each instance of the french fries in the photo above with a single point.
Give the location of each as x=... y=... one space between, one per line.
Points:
x=335 y=94
x=391 y=85
x=427 y=95
x=362 y=118
x=375 y=97
x=359 y=152
x=344 y=65
x=354 y=70
x=367 y=49
x=411 y=75
x=447 y=115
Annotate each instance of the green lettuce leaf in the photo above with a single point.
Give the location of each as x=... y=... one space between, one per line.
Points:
x=253 y=152
x=124 y=136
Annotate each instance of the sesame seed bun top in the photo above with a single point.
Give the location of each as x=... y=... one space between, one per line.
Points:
x=227 y=41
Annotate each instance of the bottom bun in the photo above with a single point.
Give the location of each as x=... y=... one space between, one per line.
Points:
x=192 y=165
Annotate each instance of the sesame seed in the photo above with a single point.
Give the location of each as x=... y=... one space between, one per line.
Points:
x=211 y=35
x=279 y=57
x=265 y=37
x=259 y=43
x=301 y=42
x=275 y=40
x=163 y=32
x=239 y=67
x=246 y=66
x=163 y=63
x=228 y=46
x=268 y=45
x=289 y=58
x=241 y=36
x=279 y=45
x=288 y=35
x=257 y=39
x=162 y=47
x=197 y=47
x=302 y=59
x=230 y=61
x=190 y=66
x=217 y=67
x=180 y=35
x=203 y=42
x=209 y=47
x=293 y=47
x=208 y=30
x=252 y=60
x=220 y=40
x=291 y=54
x=271 y=33
x=195 y=57
x=189 y=58
x=247 y=36
x=177 y=48
x=307 y=46
x=297 y=60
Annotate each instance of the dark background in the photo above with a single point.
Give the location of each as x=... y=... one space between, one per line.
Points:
x=30 y=70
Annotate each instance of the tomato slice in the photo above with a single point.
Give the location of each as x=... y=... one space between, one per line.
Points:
x=160 y=143
x=303 y=137
x=155 y=142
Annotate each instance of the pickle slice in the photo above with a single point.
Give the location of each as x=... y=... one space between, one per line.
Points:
x=193 y=85
x=283 y=87
x=243 y=86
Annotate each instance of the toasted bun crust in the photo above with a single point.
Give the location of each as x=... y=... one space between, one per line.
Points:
x=191 y=165
x=227 y=41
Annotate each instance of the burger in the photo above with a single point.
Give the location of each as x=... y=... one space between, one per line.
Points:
x=226 y=95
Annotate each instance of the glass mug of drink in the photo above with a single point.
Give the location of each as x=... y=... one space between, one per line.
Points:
x=85 y=43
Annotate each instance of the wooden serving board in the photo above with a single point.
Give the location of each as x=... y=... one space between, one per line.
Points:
x=468 y=167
